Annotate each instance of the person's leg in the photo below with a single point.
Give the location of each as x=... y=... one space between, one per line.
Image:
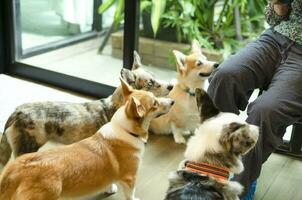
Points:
x=277 y=108
x=252 y=67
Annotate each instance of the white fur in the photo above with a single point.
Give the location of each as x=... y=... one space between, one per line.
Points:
x=212 y=129
x=234 y=188
x=207 y=137
x=183 y=118
x=112 y=189
x=118 y=129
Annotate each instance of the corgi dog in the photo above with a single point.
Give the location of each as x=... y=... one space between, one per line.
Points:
x=193 y=71
x=31 y=125
x=112 y=155
x=212 y=154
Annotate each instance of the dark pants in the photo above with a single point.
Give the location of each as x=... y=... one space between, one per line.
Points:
x=274 y=63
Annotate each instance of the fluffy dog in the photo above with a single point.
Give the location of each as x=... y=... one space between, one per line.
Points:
x=111 y=155
x=211 y=155
x=183 y=118
x=33 y=124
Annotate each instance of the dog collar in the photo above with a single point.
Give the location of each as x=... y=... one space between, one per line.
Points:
x=137 y=136
x=188 y=90
x=219 y=173
x=134 y=135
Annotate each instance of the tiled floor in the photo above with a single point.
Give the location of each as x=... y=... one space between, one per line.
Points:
x=281 y=176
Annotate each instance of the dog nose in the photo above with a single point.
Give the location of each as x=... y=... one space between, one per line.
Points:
x=216 y=65
x=170 y=87
x=172 y=102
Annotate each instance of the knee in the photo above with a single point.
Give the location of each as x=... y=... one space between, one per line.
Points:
x=222 y=74
x=223 y=80
x=262 y=109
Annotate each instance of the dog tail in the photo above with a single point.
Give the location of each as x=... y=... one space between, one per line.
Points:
x=5 y=148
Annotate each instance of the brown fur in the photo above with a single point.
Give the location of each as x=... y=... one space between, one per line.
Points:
x=97 y=163
x=31 y=125
x=183 y=118
x=90 y=165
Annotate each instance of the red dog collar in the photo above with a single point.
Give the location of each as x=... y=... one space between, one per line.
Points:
x=220 y=173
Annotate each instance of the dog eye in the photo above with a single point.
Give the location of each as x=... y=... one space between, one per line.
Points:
x=150 y=83
x=199 y=63
x=248 y=143
x=155 y=104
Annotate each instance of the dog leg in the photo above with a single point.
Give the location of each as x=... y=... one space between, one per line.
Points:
x=112 y=189
x=232 y=190
x=129 y=189
x=187 y=133
x=22 y=142
x=29 y=191
x=178 y=134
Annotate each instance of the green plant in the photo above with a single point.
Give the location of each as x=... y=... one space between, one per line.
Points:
x=212 y=21
x=209 y=21
x=157 y=8
x=119 y=11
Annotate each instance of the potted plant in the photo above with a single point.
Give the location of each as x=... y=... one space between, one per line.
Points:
x=211 y=22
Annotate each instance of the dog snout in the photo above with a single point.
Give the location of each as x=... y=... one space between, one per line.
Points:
x=170 y=87
x=166 y=101
x=216 y=65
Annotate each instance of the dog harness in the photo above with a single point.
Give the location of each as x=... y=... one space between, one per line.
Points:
x=219 y=173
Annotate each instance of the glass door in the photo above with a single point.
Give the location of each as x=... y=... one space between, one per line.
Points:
x=58 y=42
x=43 y=25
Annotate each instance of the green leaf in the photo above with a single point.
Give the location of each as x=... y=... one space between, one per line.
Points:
x=145 y=5
x=158 y=8
x=119 y=14
x=188 y=8
x=105 y=6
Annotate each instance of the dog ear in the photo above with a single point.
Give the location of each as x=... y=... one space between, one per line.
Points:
x=234 y=126
x=135 y=109
x=205 y=105
x=196 y=48
x=227 y=137
x=128 y=76
x=180 y=61
x=136 y=61
x=240 y=143
x=127 y=90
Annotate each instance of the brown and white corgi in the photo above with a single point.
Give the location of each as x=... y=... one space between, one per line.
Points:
x=112 y=155
x=31 y=125
x=193 y=70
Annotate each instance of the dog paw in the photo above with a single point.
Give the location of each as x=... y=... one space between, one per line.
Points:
x=180 y=140
x=187 y=133
x=112 y=190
